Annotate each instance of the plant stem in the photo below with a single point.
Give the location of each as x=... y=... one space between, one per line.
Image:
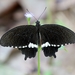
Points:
x=39 y=48
x=28 y=20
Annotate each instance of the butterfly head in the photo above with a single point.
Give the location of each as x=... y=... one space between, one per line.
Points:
x=37 y=23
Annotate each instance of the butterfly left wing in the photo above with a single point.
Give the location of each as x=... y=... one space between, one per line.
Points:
x=53 y=36
x=19 y=36
x=23 y=38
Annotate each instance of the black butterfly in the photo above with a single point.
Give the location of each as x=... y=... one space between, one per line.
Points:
x=27 y=38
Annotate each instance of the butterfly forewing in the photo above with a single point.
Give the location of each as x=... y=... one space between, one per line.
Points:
x=19 y=36
x=56 y=34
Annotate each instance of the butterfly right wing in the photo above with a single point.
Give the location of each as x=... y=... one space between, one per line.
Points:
x=23 y=38
x=53 y=36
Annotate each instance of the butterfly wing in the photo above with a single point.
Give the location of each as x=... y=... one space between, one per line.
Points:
x=29 y=52
x=21 y=37
x=18 y=36
x=55 y=35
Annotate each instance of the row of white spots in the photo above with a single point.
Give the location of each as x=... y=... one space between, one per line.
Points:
x=48 y=44
x=19 y=46
x=22 y=46
x=31 y=45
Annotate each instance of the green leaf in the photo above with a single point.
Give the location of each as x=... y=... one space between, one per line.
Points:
x=63 y=47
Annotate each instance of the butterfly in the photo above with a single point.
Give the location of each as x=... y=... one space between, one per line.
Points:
x=28 y=38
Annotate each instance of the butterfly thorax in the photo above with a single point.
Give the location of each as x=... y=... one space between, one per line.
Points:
x=38 y=33
x=37 y=26
x=37 y=23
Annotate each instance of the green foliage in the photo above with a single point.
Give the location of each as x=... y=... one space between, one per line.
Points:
x=60 y=22
x=48 y=72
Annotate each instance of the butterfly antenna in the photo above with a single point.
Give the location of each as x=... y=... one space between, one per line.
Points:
x=42 y=13
x=31 y=13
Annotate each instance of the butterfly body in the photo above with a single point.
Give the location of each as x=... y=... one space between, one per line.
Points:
x=38 y=32
x=28 y=38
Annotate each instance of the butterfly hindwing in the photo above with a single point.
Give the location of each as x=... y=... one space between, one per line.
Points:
x=50 y=51
x=29 y=52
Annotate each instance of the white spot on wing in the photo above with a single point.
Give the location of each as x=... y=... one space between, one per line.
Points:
x=23 y=46
x=19 y=47
x=58 y=45
x=45 y=44
x=31 y=45
x=62 y=45
x=65 y=44
x=15 y=46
